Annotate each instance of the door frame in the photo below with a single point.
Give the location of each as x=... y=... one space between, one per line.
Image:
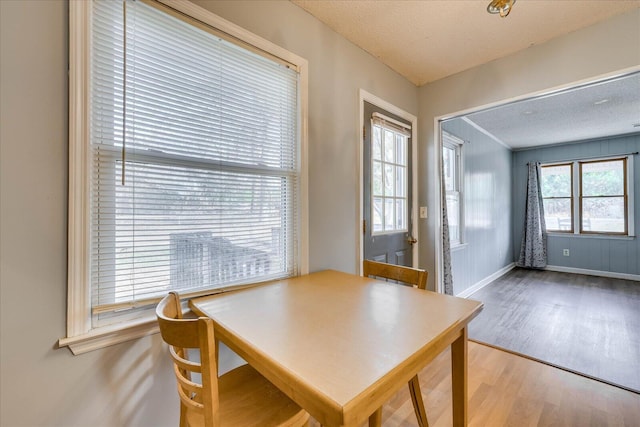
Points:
x=365 y=96
x=437 y=141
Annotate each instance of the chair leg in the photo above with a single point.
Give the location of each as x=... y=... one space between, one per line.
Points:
x=418 y=404
x=183 y=415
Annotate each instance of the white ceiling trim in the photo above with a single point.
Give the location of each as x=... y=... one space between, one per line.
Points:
x=486 y=132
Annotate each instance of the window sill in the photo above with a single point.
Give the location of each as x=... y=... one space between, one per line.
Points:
x=458 y=247
x=110 y=335
x=591 y=236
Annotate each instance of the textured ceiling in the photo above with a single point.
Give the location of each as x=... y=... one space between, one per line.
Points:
x=427 y=40
x=597 y=110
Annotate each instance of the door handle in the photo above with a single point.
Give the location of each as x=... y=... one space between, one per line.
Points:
x=412 y=240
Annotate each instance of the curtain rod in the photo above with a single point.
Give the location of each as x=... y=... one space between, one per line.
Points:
x=594 y=157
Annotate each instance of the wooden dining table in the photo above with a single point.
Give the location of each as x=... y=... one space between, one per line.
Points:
x=341 y=345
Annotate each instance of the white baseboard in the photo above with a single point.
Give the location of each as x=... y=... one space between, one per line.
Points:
x=484 y=282
x=614 y=275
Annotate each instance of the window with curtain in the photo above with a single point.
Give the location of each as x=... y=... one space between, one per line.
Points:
x=194 y=176
x=603 y=189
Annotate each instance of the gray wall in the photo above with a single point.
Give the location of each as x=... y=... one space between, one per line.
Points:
x=487 y=207
x=131 y=383
x=617 y=255
x=603 y=48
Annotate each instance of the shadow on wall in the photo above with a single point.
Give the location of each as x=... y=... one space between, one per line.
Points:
x=137 y=378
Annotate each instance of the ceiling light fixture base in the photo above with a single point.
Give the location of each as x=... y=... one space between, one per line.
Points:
x=502 y=7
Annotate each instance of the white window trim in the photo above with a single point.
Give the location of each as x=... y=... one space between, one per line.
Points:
x=81 y=337
x=576 y=198
x=398 y=128
x=631 y=232
x=458 y=144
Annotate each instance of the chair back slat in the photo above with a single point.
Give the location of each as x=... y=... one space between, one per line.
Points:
x=181 y=362
x=191 y=401
x=186 y=384
x=411 y=276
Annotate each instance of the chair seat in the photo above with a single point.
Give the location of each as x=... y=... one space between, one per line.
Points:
x=249 y=399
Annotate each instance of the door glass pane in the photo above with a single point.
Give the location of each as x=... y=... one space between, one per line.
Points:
x=557 y=214
x=556 y=181
x=377 y=214
x=401 y=188
x=388 y=180
x=603 y=178
x=376 y=178
x=401 y=149
x=603 y=214
x=376 y=146
x=389 y=146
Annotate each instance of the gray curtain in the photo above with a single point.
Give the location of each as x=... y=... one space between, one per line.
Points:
x=533 y=250
x=447 y=277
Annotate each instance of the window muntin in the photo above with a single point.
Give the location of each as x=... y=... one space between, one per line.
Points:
x=557 y=196
x=148 y=149
x=389 y=175
x=452 y=168
x=603 y=196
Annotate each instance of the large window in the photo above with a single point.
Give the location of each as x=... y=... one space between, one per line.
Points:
x=452 y=162
x=194 y=178
x=602 y=206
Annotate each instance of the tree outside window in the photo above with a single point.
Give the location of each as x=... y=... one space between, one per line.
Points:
x=557 y=193
x=601 y=206
x=603 y=197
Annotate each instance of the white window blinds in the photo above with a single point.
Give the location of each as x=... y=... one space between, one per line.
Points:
x=195 y=160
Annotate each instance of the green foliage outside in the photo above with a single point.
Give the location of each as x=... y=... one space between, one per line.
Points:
x=598 y=180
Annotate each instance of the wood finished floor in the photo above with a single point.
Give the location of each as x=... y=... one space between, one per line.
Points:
x=508 y=390
x=587 y=324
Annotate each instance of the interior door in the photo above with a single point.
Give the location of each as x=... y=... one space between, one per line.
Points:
x=387 y=187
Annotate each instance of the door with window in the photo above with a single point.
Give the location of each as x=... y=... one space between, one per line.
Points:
x=387 y=187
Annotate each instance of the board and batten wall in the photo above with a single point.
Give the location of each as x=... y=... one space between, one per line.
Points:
x=487 y=240
x=601 y=49
x=608 y=255
x=131 y=384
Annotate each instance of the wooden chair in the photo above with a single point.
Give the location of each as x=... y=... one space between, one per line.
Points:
x=238 y=398
x=417 y=278
x=411 y=276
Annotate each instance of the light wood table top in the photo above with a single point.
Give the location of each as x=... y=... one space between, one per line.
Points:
x=338 y=344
